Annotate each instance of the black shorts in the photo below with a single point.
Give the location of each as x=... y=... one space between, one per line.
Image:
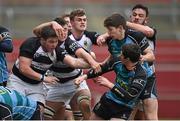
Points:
x=108 y=109
x=5 y=112
x=150 y=90
x=37 y=114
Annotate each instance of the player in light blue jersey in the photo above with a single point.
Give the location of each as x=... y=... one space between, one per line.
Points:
x=15 y=106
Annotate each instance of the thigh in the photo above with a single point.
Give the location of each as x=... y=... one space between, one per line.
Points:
x=60 y=92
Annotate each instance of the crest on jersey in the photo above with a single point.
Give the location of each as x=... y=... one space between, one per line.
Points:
x=85 y=44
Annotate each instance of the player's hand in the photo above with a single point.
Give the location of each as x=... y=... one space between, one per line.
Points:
x=100 y=40
x=96 y=67
x=50 y=80
x=80 y=79
x=102 y=81
x=59 y=30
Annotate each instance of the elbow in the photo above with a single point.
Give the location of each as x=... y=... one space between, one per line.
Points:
x=149 y=32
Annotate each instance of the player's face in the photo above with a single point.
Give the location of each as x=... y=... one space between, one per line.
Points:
x=138 y=16
x=67 y=19
x=50 y=44
x=129 y=65
x=79 y=23
x=116 y=32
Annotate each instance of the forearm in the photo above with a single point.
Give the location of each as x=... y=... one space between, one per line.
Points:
x=149 y=32
x=148 y=56
x=28 y=72
x=37 y=29
x=80 y=63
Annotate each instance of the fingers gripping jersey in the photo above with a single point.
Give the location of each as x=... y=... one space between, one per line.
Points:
x=22 y=107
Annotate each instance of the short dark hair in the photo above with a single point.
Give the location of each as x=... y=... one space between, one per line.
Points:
x=77 y=12
x=60 y=21
x=65 y=15
x=115 y=20
x=131 y=51
x=140 y=6
x=48 y=32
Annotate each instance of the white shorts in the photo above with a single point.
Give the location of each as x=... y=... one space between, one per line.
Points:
x=63 y=92
x=33 y=91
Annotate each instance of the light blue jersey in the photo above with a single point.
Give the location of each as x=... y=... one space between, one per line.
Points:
x=23 y=108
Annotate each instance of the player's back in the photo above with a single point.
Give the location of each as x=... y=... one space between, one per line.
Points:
x=23 y=108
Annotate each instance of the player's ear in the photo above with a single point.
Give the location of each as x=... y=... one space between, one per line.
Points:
x=146 y=20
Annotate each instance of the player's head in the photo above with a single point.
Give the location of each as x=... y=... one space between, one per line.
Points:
x=66 y=17
x=130 y=55
x=49 y=39
x=139 y=14
x=116 y=26
x=63 y=23
x=78 y=19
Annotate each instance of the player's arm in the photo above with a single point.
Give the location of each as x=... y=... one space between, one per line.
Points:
x=132 y=91
x=148 y=31
x=101 y=40
x=76 y=62
x=92 y=74
x=26 y=70
x=57 y=27
x=5 y=41
x=148 y=55
x=81 y=53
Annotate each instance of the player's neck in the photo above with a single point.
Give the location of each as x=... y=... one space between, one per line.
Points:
x=77 y=34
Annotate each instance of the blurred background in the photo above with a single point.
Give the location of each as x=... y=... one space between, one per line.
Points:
x=21 y=16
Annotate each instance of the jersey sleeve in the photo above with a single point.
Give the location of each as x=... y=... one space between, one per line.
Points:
x=29 y=47
x=61 y=53
x=71 y=46
x=5 y=44
x=139 y=38
x=93 y=36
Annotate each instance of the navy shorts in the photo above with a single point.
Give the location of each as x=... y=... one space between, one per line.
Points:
x=107 y=109
x=150 y=90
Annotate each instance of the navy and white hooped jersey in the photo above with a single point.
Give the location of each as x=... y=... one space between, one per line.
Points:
x=115 y=46
x=86 y=40
x=63 y=71
x=23 y=107
x=41 y=60
x=5 y=46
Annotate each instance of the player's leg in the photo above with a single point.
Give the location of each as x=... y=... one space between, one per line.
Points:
x=68 y=113
x=54 y=110
x=150 y=101
x=81 y=102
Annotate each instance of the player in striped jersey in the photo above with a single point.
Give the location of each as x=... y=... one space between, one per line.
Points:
x=64 y=90
x=15 y=106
